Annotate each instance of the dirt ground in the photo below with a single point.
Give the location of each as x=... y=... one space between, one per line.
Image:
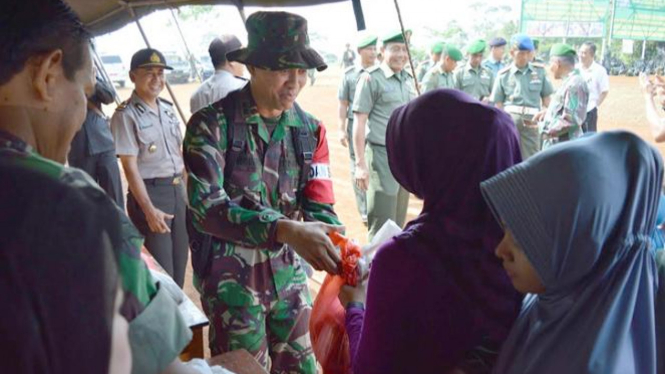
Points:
x=623 y=109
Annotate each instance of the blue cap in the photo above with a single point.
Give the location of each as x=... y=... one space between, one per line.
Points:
x=522 y=42
x=498 y=42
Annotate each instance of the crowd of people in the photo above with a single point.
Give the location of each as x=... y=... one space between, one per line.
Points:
x=530 y=255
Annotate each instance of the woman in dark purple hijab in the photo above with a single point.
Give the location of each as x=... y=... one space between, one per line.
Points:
x=438 y=299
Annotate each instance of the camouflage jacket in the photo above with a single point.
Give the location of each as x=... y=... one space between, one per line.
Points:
x=160 y=334
x=566 y=112
x=248 y=265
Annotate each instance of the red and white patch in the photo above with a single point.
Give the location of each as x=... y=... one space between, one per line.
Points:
x=319 y=186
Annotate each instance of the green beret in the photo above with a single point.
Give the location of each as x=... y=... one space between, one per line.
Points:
x=394 y=37
x=367 y=41
x=477 y=46
x=437 y=48
x=561 y=49
x=453 y=52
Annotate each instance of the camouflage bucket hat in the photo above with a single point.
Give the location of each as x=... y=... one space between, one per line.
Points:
x=276 y=41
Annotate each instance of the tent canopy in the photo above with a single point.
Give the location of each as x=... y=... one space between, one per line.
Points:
x=105 y=16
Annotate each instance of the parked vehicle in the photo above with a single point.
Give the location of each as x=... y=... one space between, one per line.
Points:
x=181 y=69
x=207 y=70
x=116 y=69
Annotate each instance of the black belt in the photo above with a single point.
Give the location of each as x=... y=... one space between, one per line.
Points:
x=167 y=181
x=377 y=144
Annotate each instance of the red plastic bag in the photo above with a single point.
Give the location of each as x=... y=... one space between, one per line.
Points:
x=326 y=326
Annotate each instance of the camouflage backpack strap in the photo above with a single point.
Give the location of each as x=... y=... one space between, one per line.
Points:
x=236 y=135
x=304 y=145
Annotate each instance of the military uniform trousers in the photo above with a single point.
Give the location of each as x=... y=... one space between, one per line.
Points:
x=361 y=200
x=529 y=136
x=169 y=249
x=103 y=168
x=386 y=199
x=274 y=329
x=591 y=122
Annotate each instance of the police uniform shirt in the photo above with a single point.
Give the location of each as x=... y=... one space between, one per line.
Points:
x=380 y=91
x=476 y=82
x=153 y=136
x=214 y=89
x=522 y=87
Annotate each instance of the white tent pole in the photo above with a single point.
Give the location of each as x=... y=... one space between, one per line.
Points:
x=168 y=86
x=182 y=37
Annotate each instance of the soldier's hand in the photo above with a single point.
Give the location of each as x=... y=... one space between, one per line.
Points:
x=361 y=177
x=157 y=220
x=539 y=116
x=343 y=138
x=310 y=240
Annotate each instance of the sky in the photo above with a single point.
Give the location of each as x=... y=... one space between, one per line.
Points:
x=333 y=24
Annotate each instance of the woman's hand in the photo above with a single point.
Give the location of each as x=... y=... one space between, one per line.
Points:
x=348 y=294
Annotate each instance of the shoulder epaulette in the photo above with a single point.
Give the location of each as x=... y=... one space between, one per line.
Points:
x=122 y=106
x=373 y=69
x=505 y=69
x=349 y=69
x=165 y=101
x=538 y=65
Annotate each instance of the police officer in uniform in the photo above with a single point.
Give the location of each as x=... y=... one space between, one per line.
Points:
x=441 y=75
x=522 y=89
x=473 y=78
x=380 y=90
x=92 y=148
x=148 y=139
x=347 y=89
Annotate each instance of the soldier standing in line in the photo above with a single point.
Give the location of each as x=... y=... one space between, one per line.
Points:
x=380 y=90
x=566 y=113
x=347 y=90
x=495 y=60
x=473 y=78
x=522 y=89
x=434 y=57
x=258 y=164
x=148 y=140
x=441 y=75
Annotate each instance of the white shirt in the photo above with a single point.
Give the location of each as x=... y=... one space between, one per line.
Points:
x=214 y=89
x=597 y=80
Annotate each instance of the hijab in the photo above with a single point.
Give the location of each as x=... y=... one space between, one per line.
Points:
x=583 y=212
x=440 y=147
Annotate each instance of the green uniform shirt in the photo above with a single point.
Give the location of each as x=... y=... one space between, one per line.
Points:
x=566 y=112
x=347 y=88
x=379 y=92
x=435 y=78
x=477 y=82
x=522 y=87
x=423 y=68
x=157 y=331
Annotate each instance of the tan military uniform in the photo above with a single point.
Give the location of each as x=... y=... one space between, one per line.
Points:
x=379 y=92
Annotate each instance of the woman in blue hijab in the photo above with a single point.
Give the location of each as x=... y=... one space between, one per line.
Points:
x=578 y=219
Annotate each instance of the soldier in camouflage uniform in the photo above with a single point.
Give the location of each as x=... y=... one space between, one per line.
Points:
x=257 y=163
x=567 y=111
x=520 y=89
x=347 y=89
x=473 y=78
x=441 y=75
x=43 y=105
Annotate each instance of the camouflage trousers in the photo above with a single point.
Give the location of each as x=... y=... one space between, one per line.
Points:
x=277 y=330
